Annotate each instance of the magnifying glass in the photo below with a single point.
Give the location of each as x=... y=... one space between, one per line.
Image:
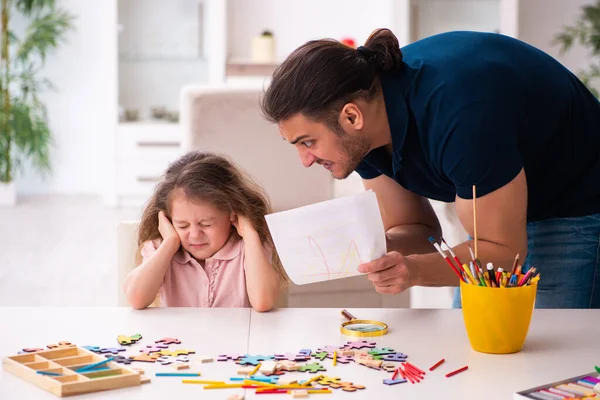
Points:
x=361 y=327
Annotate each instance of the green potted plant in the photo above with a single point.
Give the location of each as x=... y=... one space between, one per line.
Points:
x=586 y=32
x=24 y=130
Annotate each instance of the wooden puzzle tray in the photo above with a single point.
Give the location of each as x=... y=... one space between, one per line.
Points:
x=64 y=361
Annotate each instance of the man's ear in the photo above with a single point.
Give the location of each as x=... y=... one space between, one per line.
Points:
x=351 y=118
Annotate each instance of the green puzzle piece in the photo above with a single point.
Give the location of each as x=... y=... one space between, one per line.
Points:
x=321 y=355
x=381 y=352
x=312 y=368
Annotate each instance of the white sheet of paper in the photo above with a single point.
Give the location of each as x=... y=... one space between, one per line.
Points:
x=328 y=240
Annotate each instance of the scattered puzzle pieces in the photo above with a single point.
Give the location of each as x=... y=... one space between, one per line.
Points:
x=168 y=340
x=312 y=368
x=225 y=357
x=359 y=344
x=253 y=360
x=176 y=353
x=127 y=340
x=60 y=345
x=111 y=350
x=120 y=359
x=393 y=381
x=346 y=386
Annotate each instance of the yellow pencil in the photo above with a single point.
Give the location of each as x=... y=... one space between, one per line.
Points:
x=254 y=370
x=334 y=358
x=308 y=382
x=203 y=382
x=224 y=386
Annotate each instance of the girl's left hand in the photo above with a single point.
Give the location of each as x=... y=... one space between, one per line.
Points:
x=243 y=225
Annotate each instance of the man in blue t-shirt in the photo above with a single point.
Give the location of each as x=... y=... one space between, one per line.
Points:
x=438 y=117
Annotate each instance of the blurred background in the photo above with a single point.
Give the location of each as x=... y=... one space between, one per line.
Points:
x=104 y=94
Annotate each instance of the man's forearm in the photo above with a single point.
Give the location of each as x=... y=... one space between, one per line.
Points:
x=432 y=270
x=411 y=239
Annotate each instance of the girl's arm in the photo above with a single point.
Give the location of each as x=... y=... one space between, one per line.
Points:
x=142 y=284
x=262 y=281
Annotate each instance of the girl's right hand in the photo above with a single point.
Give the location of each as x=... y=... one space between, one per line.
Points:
x=166 y=229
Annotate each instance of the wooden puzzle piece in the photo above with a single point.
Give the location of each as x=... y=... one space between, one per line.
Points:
x=176 y=353
x=285 y=381
x=253 y=360
x=393 y=381
x=165 y=360
x=180 y=366
x=398 y=357
x=312 y=368
x=153 y=348
x=358 y=357
x=276 y=373
x=321 y=355
x=300 y=394
x=267 y=367
x=287 y=365
x=245 y=370
x=388 y=367
x=144 y=379
x=326 y=380
x=95 y=349
x=168 y=340
x=359 y=344
x=225 y=357
x=30 y=350
x=127 y=340
x=346 y=386
x=205 y=359
x=376 y=364
x=120 y=359
x=235 y=396
x=292 y=356
x=138 y=370
x=111 y=350
x=381 y=352
x=145 y=357
x=61 y=345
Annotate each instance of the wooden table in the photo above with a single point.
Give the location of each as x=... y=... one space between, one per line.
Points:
x=561 y=344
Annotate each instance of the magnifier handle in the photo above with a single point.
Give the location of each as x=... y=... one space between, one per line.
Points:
x=347 y=315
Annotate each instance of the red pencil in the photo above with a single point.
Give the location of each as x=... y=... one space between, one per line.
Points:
x=395 y=374
x=437 y=364
x=449 y=374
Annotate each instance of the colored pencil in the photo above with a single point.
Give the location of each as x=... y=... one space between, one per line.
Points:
x=449 y=374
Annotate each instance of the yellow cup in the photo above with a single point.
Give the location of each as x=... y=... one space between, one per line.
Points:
x=497 y=319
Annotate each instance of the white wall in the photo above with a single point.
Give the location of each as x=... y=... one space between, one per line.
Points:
x=84 y=110
x=295 y=22
x=539 y=30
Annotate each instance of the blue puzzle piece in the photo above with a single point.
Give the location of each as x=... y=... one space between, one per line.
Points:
x=111 y=350
x=398 y=357
x=253 y=360
x=95 y=349
x=393 y=381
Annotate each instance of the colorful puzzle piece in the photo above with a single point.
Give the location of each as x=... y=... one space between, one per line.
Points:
x=145 y=357
x=168 y=340
x=359 y=344
x=31 y=350
x=127 y=340
x=393 y=381
x=388 y=367
x=312 y=368
x=287 y=365
x=305 y=352
x=321 y=355
x=95 y=349
x=176 y=353
x=326 y=380
x=183 y=358
x=60 y=345
x=341 y=359
x=225 y=357
x=253 y=360
x=111 y=350
x=346 y=386
x=329 y=349
x=120 y=359
x=292 y=356
x=398 y=357
x=381 y=352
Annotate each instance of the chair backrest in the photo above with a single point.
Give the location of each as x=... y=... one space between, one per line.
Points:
x=229 y=121
x=126 y=253
x=127 y=249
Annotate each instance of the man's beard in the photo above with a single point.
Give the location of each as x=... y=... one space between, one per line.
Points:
x=354 y=149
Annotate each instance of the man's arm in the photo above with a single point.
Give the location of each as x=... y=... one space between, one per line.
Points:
x=408 y=219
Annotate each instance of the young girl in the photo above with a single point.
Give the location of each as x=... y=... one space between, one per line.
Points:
x=204 y=240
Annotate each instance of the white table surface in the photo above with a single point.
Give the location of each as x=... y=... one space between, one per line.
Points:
x=560 y=344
